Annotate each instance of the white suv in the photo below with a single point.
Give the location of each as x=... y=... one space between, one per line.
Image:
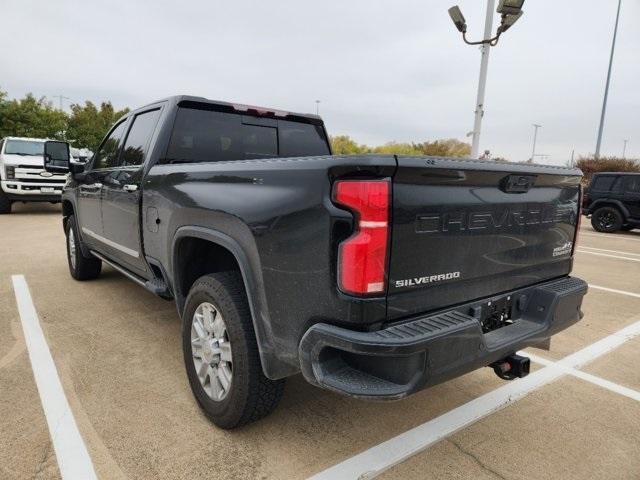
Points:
x=22 y=174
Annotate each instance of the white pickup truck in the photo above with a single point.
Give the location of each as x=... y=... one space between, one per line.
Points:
x=22 y=174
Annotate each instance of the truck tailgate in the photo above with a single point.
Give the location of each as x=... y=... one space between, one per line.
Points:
x=463 y=230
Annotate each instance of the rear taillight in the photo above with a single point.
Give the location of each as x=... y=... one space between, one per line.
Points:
x=362 y=258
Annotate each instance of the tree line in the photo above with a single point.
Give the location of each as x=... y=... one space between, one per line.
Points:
x=345 y=145
x=83 y=127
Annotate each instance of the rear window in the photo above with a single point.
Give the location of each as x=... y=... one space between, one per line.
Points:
x=604 y=183
x=301 y=139
x=210 y=136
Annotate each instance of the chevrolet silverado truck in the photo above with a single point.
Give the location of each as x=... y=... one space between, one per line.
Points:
x=376 y=276
x=22 y=174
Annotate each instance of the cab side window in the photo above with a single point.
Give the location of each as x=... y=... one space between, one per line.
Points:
x=632 y=184
x=107 y=155
x=137 y=143
x=604 y=183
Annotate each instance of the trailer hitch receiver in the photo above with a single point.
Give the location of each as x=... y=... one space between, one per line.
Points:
x=512 y=367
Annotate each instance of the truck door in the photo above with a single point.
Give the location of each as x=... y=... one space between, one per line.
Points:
x=121 y=195
x=90 y=187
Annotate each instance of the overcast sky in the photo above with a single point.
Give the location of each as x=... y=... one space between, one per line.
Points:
x=383 y=70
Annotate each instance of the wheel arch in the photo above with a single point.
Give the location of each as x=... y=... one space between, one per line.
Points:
x=610 y=203
x=227 y=254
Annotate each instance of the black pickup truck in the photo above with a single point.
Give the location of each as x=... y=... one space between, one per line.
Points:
x=375 y=276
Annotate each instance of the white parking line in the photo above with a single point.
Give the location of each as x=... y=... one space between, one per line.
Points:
x=580 y=250
x=378 y=459
x=71 y=452
x=613 y=290
x=610 y=236
x=582 y=247
x=601 y=382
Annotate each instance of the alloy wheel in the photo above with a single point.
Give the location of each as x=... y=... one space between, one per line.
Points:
x=72 y=248
x=211 y=351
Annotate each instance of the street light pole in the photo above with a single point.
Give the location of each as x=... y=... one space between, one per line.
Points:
x=606 y=91
x=317 y=107
x=624 y=149
x=535 y=140
x=482 y=83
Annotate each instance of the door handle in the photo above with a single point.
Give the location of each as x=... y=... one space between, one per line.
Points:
x=91 y=186
x=130 y=187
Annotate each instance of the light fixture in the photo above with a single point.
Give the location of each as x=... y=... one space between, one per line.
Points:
x=458 y=19
x=509 y=21
x=510 y=7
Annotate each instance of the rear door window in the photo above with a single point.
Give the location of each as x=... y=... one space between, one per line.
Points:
x=135 y=147
x=604 y=183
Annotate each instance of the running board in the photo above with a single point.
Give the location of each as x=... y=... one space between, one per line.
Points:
x=155 y=286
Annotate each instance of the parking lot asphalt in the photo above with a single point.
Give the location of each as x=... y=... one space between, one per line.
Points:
x=117 y=351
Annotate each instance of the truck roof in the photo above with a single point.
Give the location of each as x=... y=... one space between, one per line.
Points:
x=238 y=107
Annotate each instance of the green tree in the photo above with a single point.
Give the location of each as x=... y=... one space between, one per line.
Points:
x=3 y=106
x=395 y=148
x=445 y=148
x=31 y=117
x=345 y=145
x=89 y=124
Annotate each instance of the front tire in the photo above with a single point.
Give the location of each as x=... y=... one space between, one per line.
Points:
x=607 y=220
x=80 y=267
x=221 y=353
x=5 y=203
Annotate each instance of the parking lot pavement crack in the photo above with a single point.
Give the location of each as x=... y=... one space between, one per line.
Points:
x=476 y=459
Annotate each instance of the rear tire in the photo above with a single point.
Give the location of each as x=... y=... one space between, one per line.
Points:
x=80 y=267
x=607 y=220
x=5 y=203
x=221 y=353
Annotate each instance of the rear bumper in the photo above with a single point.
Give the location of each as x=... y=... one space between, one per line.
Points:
x=404 y=358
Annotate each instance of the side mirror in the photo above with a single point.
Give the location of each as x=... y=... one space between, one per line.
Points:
x=77 y=168
x=56 y=157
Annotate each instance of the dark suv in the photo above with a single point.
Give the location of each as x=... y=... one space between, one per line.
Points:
x=612 y=200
